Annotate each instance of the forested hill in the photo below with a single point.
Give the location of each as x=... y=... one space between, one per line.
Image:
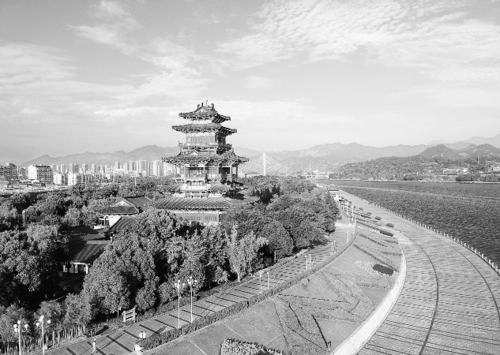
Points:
x=431 y=162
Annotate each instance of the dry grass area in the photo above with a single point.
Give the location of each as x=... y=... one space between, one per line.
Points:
x=323 y=309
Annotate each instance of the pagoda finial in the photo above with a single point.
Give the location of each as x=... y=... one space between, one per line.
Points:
x=206 y=103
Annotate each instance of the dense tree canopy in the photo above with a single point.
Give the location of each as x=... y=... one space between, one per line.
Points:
x=141 y=264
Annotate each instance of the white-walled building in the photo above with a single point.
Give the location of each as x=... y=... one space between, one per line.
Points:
x=74 y=178
x=42 y=173
x=60 y=179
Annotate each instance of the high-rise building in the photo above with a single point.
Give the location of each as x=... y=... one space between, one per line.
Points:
x=93 y=168
x=62 y=168
x=206 y=163
x=73 y=168
x=74 y=178
x=8 y=172
x=42 y=173
x=60 y=179
x=22 y=174
x=156 y=169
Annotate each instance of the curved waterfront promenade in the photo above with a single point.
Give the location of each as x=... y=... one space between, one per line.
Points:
x=450 y=300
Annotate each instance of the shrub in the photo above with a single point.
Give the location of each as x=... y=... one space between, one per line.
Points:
x=383 y=269
x=390 y=225
x=378 y=218
x=386 y=232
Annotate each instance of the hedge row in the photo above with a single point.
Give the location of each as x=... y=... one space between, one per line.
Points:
x=381 y=230
x=395 y=253
x=386 y=232
x=237 y=347
x=158 y=339
x=373 y=240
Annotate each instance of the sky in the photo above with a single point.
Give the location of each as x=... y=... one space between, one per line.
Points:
x=103 y=76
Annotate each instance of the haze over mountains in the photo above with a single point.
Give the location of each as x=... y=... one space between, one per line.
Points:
x=324 y=157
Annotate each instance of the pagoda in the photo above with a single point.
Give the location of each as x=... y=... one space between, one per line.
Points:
x=206 y=163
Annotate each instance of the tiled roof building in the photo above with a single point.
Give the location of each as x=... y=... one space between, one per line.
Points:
x=85 y=245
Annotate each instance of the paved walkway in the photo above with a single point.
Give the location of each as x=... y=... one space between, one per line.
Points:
x=122 y=341
x=450 y=300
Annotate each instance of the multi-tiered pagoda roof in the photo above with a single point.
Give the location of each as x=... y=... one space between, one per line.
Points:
x=204 y=161
x=194 y=157
x=205 y=113
x=207 y=127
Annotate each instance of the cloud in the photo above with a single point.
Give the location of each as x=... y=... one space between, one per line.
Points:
x=114 y=23
x=258 y=82
x=27 y=63
x=331 y=30
x=111 y=10
x=108 y=35
x=37 y=84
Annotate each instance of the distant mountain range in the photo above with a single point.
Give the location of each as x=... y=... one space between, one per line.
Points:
x=430 y=162
x=324 y=157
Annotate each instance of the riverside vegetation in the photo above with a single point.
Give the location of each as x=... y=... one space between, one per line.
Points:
x=466 y=211
x=275 y=218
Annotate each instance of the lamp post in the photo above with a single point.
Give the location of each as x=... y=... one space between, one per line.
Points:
x=179 y=287
x=333 y=247
x=260 y=280
x=41 y=324
x=305 y=256
x=191 y=282
x=18 y=330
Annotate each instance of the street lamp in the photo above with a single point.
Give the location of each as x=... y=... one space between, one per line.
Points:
x=191 y=282
x=18 y=330
x=40 y=323
x=179 y=287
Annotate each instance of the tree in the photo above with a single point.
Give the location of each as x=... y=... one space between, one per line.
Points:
x=278 y=238
x=215 y=257
x=242 y=252
x=124 y=275
x=76 y=314
x=28 y=263
x=8 y=317
x=105 y=289
x=9 y=218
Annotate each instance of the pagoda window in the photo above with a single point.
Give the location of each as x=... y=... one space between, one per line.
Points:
x=205 y=139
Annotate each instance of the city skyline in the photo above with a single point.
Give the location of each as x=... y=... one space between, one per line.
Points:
x=107 y=76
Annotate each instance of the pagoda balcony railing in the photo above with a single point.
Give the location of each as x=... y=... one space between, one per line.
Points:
x=205 y=145
x=195 y=177
x=187 y=187
x=222 y=176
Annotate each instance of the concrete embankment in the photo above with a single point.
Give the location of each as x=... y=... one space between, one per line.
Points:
x=450 y=300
